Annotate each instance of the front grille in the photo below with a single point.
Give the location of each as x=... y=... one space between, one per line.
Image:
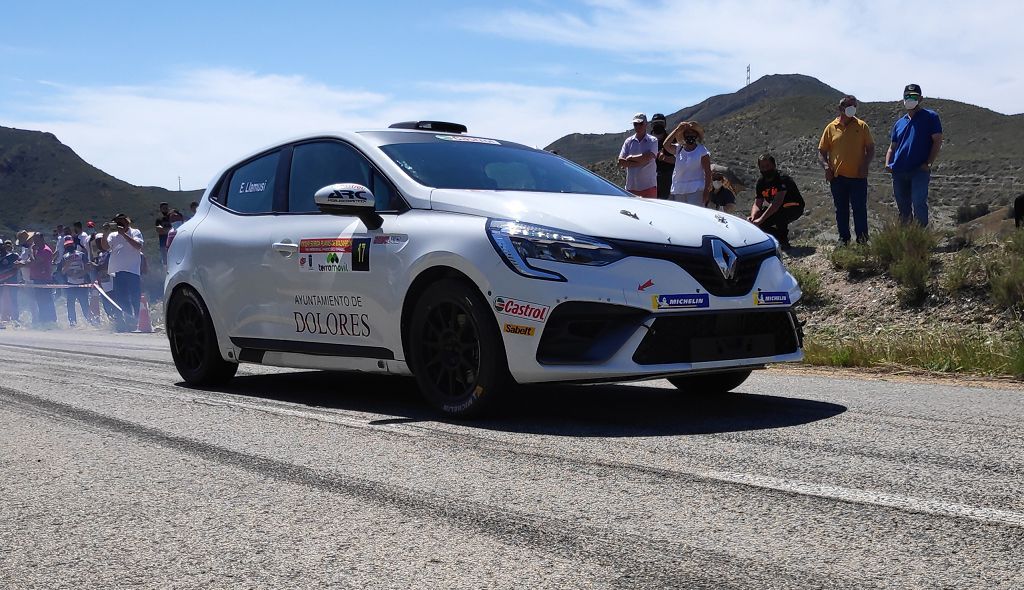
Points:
x=703 y=337
x=699 y=262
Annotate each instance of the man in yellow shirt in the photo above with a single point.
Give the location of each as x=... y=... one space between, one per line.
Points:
x=845 y=152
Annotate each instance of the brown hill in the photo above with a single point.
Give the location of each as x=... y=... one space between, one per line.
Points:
x=44 y=182
x=980 y=164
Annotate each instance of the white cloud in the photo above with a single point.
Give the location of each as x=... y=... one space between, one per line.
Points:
x=964 y=51
x=197 y=122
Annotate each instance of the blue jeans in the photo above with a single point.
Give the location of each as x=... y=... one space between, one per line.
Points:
x=80 y=295
x=910 y=190
x=127 y=294
x=44 y=312
x=851 y=193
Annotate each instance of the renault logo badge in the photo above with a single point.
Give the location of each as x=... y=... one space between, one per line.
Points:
x=725 y=258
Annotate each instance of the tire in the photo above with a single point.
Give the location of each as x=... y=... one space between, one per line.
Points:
x=455 y=350
x=710 y=383
x=193 y=341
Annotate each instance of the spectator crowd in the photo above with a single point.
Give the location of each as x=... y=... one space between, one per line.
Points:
x=676 y=165
x=83 y=264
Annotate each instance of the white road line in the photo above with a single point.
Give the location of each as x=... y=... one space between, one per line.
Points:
x=875 y=498
x=803 y=488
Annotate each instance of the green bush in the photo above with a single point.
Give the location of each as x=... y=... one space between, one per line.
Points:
x=1005 y=271
x=958 y=272
x=912 y=274
x=810 y=284
x=852 y=259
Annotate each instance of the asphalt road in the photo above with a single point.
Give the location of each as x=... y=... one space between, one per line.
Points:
x=115 y=474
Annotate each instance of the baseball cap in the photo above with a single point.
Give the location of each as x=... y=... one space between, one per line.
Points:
x=90 y=224
x=657 y=117
x=912 y=89
x=639 y=118
x=69 y=242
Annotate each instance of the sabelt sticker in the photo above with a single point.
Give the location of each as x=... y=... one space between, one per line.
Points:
x=390 y=239
x=771 y=298
x=520 y=330
x=467 y=139
x=521 y=309
x=681 y=301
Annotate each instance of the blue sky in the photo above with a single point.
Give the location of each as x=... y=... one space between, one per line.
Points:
x=151 y=92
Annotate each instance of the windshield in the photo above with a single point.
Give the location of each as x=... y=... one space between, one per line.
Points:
x=469 y=163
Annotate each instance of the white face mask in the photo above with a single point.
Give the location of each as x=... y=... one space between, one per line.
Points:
x=850 y=111
x=717 y=184
x=910 y=104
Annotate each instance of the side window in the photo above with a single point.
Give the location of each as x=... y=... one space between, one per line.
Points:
x=316 y=165
x=251 y=188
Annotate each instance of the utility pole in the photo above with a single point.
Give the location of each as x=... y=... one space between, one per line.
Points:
x=748 y=74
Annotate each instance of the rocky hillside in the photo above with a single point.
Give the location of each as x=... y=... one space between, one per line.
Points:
x=44 y=182
x=982 y=162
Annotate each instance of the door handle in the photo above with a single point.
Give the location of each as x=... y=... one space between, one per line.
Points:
x=286 y=248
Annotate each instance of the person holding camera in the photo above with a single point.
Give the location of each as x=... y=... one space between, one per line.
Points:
x=125 y=265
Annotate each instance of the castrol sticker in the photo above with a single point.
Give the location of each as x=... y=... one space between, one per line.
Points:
x=521 y=309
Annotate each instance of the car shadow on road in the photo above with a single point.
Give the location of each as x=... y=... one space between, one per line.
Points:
x=557 y=410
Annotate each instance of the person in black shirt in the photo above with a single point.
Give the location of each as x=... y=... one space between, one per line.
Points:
x=777 y=201
x=664 y=162
x=722 y=196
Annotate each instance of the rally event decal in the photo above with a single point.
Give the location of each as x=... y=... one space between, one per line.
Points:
x=681 y=301
x=521 y=309
x=334 y=254
x=771 y=298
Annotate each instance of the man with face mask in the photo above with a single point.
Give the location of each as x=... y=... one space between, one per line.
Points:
x=915 y=142
x=845 y=152
x=777 y=201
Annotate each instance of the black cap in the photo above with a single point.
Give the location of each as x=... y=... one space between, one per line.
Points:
x=657 y=117
x=913 y=88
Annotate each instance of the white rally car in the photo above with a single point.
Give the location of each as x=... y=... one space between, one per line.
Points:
x=470 y=263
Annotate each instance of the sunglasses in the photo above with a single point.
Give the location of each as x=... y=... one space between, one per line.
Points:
x=913 y=96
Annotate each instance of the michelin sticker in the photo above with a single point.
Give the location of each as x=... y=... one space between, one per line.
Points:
x=334 y=254
x=771 y=298
x=521 y=309
x=331 y=315
x=681 y=301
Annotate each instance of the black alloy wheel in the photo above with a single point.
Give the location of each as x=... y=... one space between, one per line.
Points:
x=456 y=353
x=194 y=342
x=710 y=383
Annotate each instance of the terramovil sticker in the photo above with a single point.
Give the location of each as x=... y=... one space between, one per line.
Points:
x=521 y=309
x=520 y=330
x=771 y=298
x=467 y=139
x=680 y=301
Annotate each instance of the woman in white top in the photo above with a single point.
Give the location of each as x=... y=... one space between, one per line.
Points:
x=691 y=178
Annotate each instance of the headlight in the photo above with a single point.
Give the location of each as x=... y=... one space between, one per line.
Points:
x=778 y=246
x=519 y=242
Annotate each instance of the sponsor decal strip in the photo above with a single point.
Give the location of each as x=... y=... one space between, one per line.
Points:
x=521 y=309
x=520 y=330
x=681 y=301
x=771 y=298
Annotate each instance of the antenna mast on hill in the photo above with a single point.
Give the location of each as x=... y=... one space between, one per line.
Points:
x=179 y=178
x=748 y=74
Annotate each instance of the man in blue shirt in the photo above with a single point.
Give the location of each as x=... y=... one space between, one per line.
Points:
x=914 y=144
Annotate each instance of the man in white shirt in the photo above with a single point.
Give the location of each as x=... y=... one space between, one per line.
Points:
x=125 y=265
x=637 y=157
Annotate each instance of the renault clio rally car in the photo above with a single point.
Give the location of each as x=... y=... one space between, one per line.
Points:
x=470 y=263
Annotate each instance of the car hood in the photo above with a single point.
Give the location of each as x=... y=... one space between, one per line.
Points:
x=625 y=218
